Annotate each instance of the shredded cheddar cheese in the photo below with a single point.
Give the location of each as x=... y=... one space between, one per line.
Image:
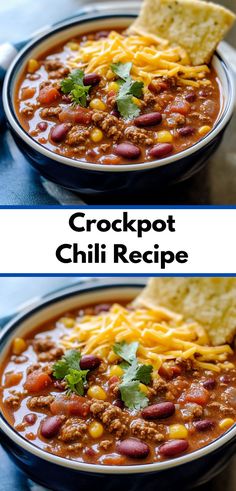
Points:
x=150 y=55
x=161 y=334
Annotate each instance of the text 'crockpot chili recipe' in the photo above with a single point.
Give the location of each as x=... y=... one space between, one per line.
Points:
x=117 y=384
x=116 y=97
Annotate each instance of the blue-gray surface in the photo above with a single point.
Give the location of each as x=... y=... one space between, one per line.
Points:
x=21 y=185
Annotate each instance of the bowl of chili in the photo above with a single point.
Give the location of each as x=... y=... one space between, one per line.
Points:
x=106 y=133
x=70 y=425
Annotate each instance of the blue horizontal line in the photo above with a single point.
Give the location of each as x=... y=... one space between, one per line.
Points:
x=116 y=275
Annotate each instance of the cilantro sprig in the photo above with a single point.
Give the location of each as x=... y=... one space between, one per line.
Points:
x=129 y=89
x=68 y=369
x=74 y=86
x=134 y=373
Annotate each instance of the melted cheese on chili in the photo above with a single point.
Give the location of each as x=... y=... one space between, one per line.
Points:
x=161 y=334
x=151 y=57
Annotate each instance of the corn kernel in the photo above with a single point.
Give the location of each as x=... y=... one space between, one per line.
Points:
x=225 y=424
x=204 y=130
x=19 y=345
x=143 y=388
x=164 y=137
x=73 y=46
x=113 y=86
x=97 y=392
x=137 y=101
x=95 y=429
x=67 y=321
x=97 y=104
x=177 y=431
x=112 y=357
x=33 y=65
x=110 y=75
x=116 y=371
x=96 y=135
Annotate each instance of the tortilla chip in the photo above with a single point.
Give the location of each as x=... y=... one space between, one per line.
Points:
x=209 y=301
x=195 y=25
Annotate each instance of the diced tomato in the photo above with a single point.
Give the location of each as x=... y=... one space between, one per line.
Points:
x=180 y=106
x=37 y=381
x=197 y=394
x=113 y=380
x=70 y=406
x=12 y=379
x=169 y=372
x=48 y=94
x=78 y=114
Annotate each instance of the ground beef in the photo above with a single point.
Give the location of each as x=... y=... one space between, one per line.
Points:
x=60 y=73
x=146 y=430
x=74 y=447
x=39 y=402
x=51 y=355
x=28 y=111
x=43 y=344
x=227 y=411
x=104 y=147
x=49 y=112
x=33 y=368
x=52 y=65
x=175 y=120
x=105 y=444
x=159 y=386
x=139 y=136
x=201 y=117
x=73 y=429
x=111 y=416
x=191 y=411
x=185 y=365
x=111 y=125
x=77 y=135
x=13 y=400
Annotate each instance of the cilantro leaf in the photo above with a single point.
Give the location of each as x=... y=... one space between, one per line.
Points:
x=74 y=86
x=132 y=396
x=127 y=351
x=79 y=94
x=143 y=373
x=122 y=70
x=75 y=380
x=136 y=371
x=136 y=89
x=70 y=360
x=127 y=108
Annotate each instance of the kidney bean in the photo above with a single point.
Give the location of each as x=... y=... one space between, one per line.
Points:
x=91 y=79
x=59 y=132
x=225 y=379
x=89 y=362
x=127 y=150
x=190 y=97
x=51 y=426
x=103 y=307
x=149 y=119
x=118 y=403
x=101 y=34
x=161 y=150
x=157 y=87
x=158 y=411
x=134 y=448
x=209 y=384
x=204 y=425
x=30 y=418
x=42 y=126
x=173 y=448
x=186 y=131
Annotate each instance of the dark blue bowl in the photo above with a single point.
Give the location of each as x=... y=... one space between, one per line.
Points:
x=61 y=474
x=118 y=181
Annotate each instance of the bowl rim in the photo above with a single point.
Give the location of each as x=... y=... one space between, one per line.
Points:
x=7 y=429
x=14 y=122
